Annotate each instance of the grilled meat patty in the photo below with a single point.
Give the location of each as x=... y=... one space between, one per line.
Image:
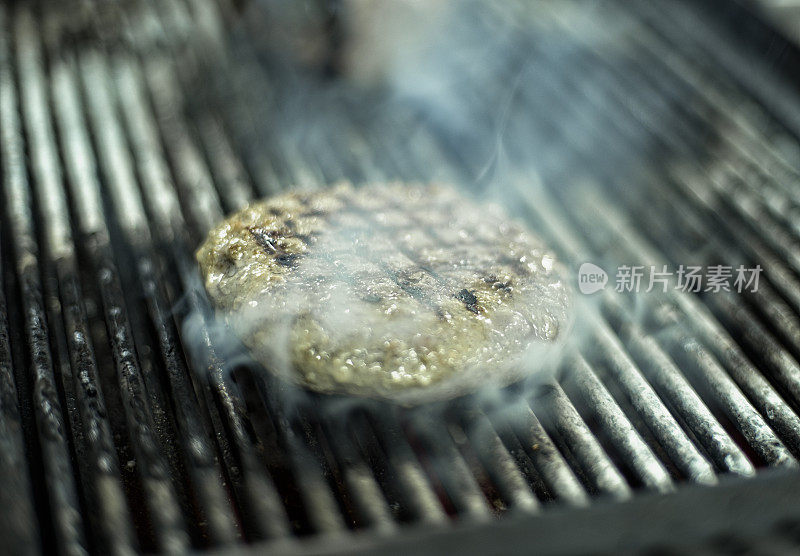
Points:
x=405 y=292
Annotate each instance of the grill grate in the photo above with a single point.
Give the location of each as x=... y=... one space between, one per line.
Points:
x=129 y=422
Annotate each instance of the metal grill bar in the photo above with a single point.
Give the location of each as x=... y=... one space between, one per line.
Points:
x=97 y=455
x=557 y=478
x=251 y=486
x=18 y=528
x=584 y=447
x=613 y=422
x=145 y=409
x=204 y=474
x=62 y=495
x=422 y=502
x=617 y=364
x=499 y=463
x=325 y=511
x=371 y=508
x=447 y=468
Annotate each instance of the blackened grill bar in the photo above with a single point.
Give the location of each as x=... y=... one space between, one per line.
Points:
x=130 y=423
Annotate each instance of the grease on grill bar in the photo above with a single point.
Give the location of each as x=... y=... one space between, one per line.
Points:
x=131 y=421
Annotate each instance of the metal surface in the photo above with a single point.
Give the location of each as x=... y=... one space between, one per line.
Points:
x=628 y=133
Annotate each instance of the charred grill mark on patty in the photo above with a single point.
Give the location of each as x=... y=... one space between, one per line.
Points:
x=287 y=259
x=469 y=300
x=265 y=238
x=466 y=296
x=405 y=281
x=392 y=232
x=505 y=286
x=496 y=284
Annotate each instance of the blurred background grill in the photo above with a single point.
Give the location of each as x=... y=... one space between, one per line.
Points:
x=622 y=132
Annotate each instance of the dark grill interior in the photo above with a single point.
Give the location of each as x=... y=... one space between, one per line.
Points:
x=622 y=132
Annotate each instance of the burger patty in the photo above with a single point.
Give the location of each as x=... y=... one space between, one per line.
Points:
x=394 y=291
